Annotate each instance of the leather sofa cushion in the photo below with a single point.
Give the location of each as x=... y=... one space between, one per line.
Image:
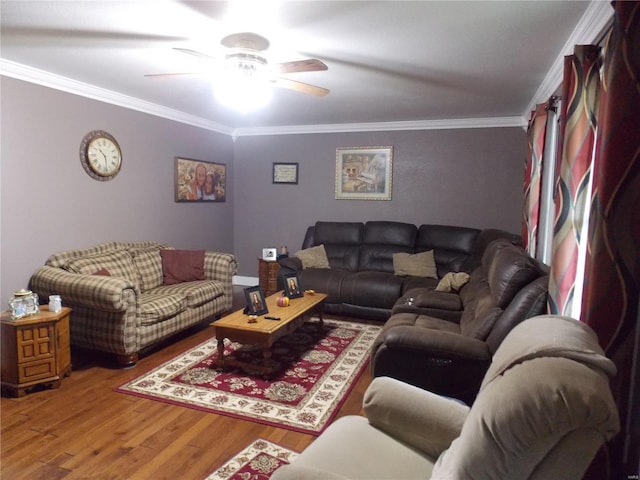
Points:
x=484 y=239
x=510 y=271
x=452 y=245
x=440 y=300
x=381 y=240
x=341 y=242
x=346 y=233
x=390 y=233
x=528 y=302
x=410 y=283
x=373 y=289
x=480 y=310
x=417 y=320
x=324 y=280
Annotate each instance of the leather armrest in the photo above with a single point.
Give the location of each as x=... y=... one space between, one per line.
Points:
x=435 y=343
x=424 y=420
x=291 y=263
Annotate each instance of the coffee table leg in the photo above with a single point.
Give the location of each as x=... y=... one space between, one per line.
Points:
x=320 y=312
x=220 y=362
x=266 y=355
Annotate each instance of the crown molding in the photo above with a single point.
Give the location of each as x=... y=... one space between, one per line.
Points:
x=492 y=122
x=65 y=84
x=592 y=25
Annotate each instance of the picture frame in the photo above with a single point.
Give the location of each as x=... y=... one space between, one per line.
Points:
x=199 y=181
x=292 y=287
x=364 y=173
x=285 y=173
x=256 y=304
x=269 y=254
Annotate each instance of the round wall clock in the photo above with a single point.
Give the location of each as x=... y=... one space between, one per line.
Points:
x=100 y=155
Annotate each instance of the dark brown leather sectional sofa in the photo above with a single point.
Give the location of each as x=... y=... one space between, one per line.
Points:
x=361 y=280
x=439 y=341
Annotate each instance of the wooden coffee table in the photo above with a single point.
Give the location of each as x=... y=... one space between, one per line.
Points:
x=264 y=333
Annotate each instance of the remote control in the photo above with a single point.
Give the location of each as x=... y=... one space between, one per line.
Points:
x=269 y=317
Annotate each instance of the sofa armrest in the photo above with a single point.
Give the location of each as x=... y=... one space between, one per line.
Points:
x=422 y=419
x=291 y=263
x=435 y=342
x=98 y=292
x=220 y=266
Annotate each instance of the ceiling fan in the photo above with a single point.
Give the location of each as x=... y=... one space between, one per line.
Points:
x=245 y=58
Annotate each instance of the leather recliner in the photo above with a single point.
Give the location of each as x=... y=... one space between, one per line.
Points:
x=448 y=350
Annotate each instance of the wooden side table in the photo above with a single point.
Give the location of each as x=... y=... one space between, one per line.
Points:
x=268 y=276
x=35 y=350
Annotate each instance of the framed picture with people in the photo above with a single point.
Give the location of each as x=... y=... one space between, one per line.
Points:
x=292 y=288
x=256 y=305
x=200 y=181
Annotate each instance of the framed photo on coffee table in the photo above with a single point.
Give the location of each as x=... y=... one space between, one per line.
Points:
x=292 y=288
x=256 y=304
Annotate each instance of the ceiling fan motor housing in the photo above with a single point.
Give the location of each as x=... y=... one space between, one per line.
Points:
x=246 y=63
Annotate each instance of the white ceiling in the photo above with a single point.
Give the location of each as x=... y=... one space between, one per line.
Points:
x=395 y=64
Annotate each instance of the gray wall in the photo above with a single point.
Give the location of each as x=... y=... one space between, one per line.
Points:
x=469 y=177
x=49 y=203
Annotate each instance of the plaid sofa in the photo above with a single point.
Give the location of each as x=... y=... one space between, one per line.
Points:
x=130 y=309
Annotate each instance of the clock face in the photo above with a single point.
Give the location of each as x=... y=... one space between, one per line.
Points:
x=100 y=155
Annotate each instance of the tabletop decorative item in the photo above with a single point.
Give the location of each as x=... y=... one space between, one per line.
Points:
x=24 y=303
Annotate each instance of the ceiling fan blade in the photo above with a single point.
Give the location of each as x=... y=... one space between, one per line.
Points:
x=301 y=87
x=195 y=53
x=309 y=65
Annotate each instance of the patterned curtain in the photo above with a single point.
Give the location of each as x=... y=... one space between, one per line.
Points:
x=533 y=177
x=610 y=300
x=580 y=90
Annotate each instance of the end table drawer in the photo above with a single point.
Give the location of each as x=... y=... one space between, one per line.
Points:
x=33 y=371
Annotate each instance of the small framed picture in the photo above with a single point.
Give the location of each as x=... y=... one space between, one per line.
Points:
x=269 y=254
x=285 y=173
x=292 y=287
x=256 y=304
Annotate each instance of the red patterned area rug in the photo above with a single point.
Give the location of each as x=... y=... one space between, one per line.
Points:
x=317 y=367
x=256 y=462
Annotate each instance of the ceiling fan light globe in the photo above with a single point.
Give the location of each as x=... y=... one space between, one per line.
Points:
x=243 y=94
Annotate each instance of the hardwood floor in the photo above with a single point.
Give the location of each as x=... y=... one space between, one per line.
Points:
x=85 y=430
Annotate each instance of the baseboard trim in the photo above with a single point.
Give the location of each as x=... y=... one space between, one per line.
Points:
x=248 y=281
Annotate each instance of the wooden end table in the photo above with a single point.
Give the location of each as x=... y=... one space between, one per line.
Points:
x=268 y=275
x=264 y=333
x=35 y=350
